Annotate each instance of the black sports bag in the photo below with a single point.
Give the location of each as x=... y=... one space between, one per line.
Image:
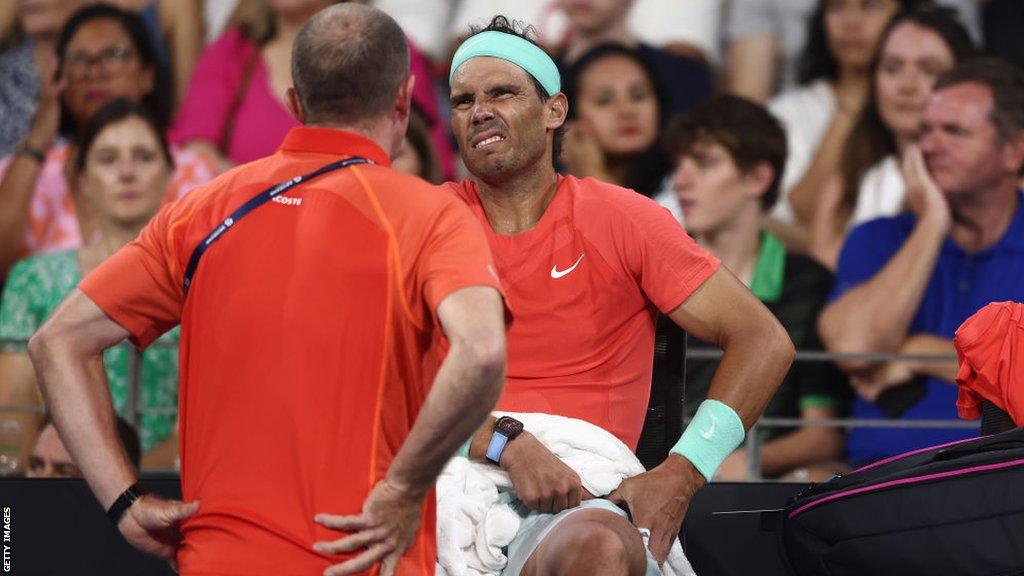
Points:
x=955 y=509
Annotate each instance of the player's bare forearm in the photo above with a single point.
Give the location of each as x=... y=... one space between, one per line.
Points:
x=464 y=392
x=757 y=349
x=68 y=356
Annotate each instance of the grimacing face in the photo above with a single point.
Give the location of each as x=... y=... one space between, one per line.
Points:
x=499 y=120
x=911 y=60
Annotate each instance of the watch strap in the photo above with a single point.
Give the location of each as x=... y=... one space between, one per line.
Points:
x=125 y=501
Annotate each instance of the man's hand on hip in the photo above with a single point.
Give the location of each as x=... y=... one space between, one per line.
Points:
x=658 y=499
x=151 y=525
x=540 y=479
x=385 y=529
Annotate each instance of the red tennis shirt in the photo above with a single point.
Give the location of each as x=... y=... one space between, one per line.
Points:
x=309 y=342
x=586 y=284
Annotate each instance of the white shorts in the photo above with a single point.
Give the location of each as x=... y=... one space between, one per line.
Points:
x=536 y=525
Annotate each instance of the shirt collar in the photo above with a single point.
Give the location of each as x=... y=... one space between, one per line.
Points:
x=769 y=269
x=1012 y=239
x=334 y=142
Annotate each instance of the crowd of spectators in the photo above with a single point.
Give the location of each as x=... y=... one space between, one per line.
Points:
x=794 y=139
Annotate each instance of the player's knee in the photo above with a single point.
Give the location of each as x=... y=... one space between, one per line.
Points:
x=598 y=548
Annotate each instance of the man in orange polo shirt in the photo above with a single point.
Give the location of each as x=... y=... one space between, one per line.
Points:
x=314 y=310
x=587 y=267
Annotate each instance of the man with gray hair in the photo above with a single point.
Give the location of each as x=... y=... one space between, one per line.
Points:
x=314 y=288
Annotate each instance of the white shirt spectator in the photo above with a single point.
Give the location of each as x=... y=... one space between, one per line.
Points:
x=425 y=21
x=881 y=192
x=787 y=20
x=805 y=114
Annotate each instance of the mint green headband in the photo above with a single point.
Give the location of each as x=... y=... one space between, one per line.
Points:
x=514 y=49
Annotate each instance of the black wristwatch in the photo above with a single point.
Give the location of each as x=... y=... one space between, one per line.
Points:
x=505 y=430
x=125 y=501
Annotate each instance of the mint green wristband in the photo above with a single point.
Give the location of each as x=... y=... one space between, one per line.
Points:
x=464 y=449
x=715 y=431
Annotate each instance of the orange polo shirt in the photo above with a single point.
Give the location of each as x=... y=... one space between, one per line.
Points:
x=309 y=342
x=586 y=284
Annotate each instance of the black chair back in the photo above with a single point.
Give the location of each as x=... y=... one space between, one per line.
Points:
x=664 y=422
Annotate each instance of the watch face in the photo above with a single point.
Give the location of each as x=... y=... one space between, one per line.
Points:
x=509 y=426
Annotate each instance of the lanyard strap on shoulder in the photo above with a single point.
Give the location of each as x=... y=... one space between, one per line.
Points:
x=255 y=202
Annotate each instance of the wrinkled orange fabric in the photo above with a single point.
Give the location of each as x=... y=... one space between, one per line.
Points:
x=990 y=347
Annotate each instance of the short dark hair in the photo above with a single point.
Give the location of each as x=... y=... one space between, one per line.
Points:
x=348 y=61
x=1004 y=80
x=158 y=100
x=111 y=113
x=502 y=24
x=747 y=130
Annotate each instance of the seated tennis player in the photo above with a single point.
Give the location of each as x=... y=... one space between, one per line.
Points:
x=587 y=267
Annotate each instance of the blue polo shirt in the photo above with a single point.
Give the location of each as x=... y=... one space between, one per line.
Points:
x=961 y=284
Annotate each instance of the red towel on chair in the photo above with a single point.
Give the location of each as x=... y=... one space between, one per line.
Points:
x=990 y=347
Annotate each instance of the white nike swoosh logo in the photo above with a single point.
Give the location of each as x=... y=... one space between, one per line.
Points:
x=707 y=434
x=556 y=273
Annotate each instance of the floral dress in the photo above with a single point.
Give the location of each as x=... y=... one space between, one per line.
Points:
x=34 y=288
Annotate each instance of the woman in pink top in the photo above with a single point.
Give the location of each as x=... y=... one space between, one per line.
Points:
x=235 y=106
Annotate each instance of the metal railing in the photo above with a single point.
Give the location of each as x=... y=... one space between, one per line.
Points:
x=753 y=443
x=754 y=440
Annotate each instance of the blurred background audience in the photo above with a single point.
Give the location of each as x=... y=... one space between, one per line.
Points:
x=841 y=179
x=50 y=458
x=616 y=119
x=419 y=155
x=234 y=109
x=684 y=80
x=819 y=114
x=122 y=169
x=730 y=154
x=904 y=284
x=102 y=53
x=919 y=45
x=28 y=34
x=764 y=40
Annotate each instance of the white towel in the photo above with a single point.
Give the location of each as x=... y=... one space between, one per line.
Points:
x=472 y=526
